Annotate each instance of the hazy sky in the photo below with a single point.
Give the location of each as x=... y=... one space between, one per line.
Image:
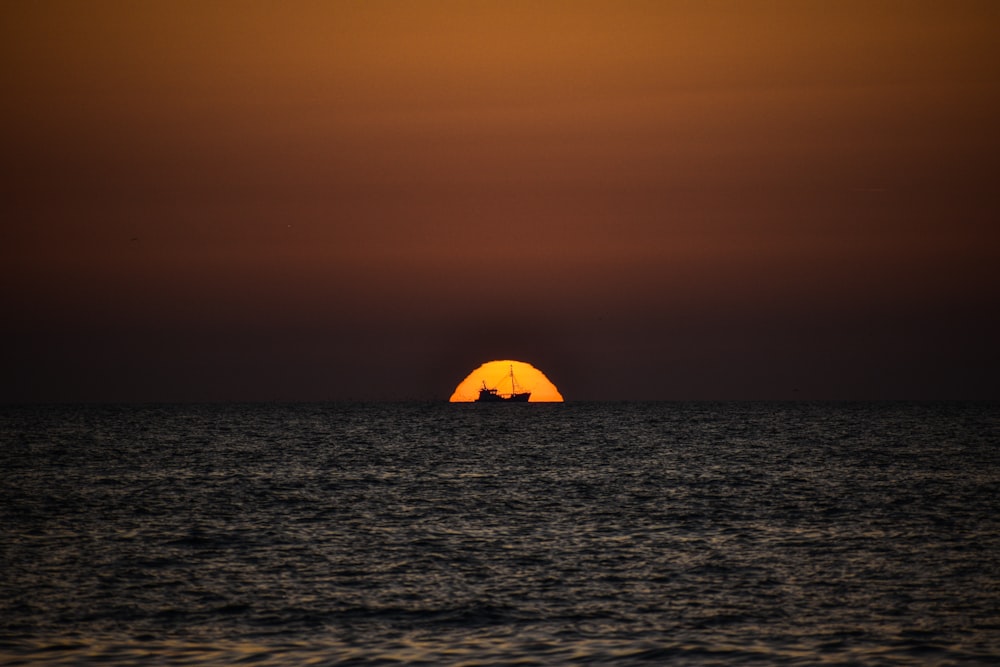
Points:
x=645 y=200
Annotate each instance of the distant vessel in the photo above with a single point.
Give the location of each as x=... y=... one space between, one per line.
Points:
x=487 y=395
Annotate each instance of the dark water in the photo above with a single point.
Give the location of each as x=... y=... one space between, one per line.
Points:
x=529 y=534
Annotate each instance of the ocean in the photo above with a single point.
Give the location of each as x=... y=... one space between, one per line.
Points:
x=531 y=534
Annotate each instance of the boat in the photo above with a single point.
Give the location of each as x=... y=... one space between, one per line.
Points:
x=493 y=395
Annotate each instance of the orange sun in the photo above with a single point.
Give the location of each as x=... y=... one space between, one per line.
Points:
x=496 y=375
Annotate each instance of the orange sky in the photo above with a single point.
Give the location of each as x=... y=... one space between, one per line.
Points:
x=256 y=200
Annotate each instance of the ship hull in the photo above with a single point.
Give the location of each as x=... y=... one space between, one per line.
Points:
x=486 y=396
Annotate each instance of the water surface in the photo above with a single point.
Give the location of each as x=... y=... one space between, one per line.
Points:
x=702 y=533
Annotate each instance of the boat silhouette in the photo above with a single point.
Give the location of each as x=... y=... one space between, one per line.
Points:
x=493 y=395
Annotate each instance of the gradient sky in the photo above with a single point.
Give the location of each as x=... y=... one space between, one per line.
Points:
x=646 y=200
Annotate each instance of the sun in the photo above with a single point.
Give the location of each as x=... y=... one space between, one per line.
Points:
x=496 y=374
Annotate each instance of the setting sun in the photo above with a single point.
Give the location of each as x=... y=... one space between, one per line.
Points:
x=497 y=375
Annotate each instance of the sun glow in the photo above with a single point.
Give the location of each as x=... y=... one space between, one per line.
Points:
x=496 y=374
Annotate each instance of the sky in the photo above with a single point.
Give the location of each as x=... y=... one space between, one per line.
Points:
x=212 y=201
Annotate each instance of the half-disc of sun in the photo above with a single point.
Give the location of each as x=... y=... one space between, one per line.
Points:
x=496 y=375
